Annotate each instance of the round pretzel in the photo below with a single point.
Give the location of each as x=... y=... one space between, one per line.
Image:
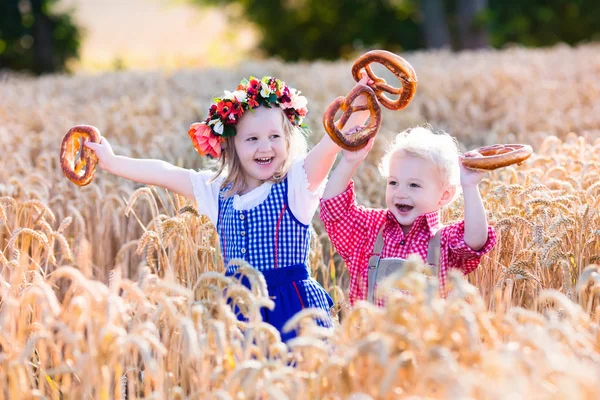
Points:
x=497 y=156
x=399 y=67
x=357 y=137
x=81 y=171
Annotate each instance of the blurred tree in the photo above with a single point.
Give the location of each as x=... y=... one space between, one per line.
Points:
x=543 y=22
x=435 y=27
x=472 y=34
x=329 y=29
x=34 y=38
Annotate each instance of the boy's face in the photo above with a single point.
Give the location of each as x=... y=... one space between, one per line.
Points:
x=260 y=144
x=414 y=188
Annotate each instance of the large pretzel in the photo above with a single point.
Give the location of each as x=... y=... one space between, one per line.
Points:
x=497 y=156
x=399 y=67
x=81 y=171
x=357 y=137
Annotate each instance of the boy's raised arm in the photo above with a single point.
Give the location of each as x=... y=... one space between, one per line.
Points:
x=320 y=159
x=341 y=175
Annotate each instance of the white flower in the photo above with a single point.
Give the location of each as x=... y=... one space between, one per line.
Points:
x=240 y=95
x=265 y=91
x=228 y=95
x=299 y=102
x=212 y=122
x=219 y=128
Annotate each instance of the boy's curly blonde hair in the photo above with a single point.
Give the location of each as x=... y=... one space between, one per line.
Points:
x=438 y=147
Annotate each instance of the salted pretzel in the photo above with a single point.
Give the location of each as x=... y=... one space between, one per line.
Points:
x=80 y=171
x=399 y=67
x=497 y=156
x=357 y=137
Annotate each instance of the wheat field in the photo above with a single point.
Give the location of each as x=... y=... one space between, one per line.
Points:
x=115 y=290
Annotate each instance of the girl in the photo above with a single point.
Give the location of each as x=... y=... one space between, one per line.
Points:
x=266 y=191
x=423 y=171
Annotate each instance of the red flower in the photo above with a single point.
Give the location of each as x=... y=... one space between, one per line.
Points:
x=291 y=114
x=284 y=98
x=254 y=84
x=212 y=110
x=231 y=120
x=237 y=109
x=252 y=103
x=204 y=140
x=224 y=108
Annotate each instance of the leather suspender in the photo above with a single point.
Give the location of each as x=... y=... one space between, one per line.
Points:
x=433 y=259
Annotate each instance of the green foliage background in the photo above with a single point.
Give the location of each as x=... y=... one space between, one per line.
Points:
x=34 y=38
x=330 y=29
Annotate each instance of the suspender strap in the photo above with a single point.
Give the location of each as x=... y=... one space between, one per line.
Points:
x=373 y=264
x=433 y=249
x=378 y=247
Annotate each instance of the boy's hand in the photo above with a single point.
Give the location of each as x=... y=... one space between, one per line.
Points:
x=358 y=156
x=469 y=177
x=102 y=150
x=364 y=80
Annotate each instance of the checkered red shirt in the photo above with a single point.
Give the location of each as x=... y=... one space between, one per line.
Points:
x=353 y=230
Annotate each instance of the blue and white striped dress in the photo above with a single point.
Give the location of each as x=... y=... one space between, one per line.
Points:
x=272 y=239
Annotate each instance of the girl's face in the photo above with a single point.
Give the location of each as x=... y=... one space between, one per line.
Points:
x=414 y=188
x=260 y=144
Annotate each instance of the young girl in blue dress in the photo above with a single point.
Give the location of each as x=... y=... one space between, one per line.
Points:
x=267 y=188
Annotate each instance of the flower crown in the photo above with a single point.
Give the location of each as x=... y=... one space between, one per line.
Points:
x=226 y=111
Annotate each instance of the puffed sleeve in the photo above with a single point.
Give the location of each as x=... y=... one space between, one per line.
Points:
x=206 y=193
x=303 y=203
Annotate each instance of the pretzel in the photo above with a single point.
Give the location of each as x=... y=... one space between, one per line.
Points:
x=357 y=137
x=72 y=145
x=497 y=156
x=399 y=67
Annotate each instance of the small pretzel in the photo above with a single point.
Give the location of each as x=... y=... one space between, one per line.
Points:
x=497 y=156
x=80 y=172
x=399 y=67
x=357 y=137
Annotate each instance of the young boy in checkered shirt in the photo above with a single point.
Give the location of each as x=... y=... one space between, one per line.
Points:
x=423 y=171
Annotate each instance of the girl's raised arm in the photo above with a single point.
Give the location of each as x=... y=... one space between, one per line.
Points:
x=145 y=171
x=320 y=158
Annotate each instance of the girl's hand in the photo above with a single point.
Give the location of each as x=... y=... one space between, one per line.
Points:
x=469 y=177
x=103 y=151
x=356 y=157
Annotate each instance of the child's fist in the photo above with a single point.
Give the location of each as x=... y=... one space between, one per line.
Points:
x=359 y=155
x=364 y=80
x=469 y=176
x=102 y=150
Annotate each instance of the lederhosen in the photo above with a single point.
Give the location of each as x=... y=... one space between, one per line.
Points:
x=381 y=268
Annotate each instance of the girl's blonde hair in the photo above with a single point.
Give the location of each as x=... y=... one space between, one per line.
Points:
x=438 y=147
x=230 y=165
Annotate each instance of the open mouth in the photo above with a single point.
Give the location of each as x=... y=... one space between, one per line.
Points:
x=404 y=208
x=264 y=160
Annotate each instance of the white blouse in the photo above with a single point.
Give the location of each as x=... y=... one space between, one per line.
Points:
x=302 y=202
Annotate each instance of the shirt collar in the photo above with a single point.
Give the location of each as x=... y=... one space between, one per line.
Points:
x=430 y=220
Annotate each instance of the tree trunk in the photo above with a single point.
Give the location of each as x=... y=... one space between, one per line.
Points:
x=42 y=39
x=434 y=24
x=470 y=34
